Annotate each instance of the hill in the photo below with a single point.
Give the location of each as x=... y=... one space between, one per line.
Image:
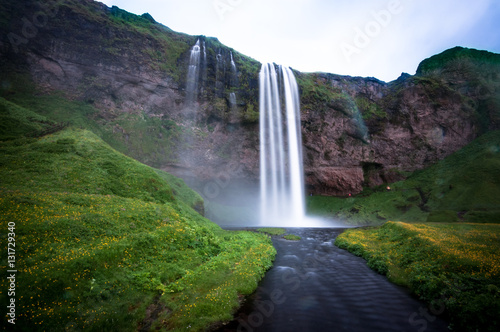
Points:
x=105 y=243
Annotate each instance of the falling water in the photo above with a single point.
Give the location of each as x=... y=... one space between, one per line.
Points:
x=204 y=73
x=204 y=52
x=233 y=65
x=193 y=74
x=281 y=172
x=219 y=75
x=232 y=100
x=233 y=82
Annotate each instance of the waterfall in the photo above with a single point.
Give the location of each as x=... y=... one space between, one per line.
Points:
x=232 y=100
x=219 y=75
x=204 y=73
x=233 y=65
x=233 y=82
x=204 y=53
x=193 y=75
x=281 y=173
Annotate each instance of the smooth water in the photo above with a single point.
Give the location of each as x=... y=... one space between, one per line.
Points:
x=282 y=199
x=315 y=286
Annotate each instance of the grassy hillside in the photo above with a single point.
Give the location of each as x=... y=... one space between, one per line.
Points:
x=104 y=243
x=56 y=109
x=464 y=186
x=452 y=58
x=453 y=267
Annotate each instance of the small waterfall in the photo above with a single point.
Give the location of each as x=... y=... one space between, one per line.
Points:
x=281 y=171
x=233 y=82
x=193 y=75
x=232 y=101
x=204 y=53
x=220 y=70
x=232 y=98
x=234 y=73
x=204 y=73
x=233 y=65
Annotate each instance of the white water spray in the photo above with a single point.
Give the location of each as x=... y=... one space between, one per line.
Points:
x=281 y=172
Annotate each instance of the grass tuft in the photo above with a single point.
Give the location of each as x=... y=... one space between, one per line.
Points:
x=271 y=230
x=292 y=237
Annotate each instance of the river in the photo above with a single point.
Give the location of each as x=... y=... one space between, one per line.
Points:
x=315 y=286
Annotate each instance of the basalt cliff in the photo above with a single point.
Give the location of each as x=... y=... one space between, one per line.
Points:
x=129 y=77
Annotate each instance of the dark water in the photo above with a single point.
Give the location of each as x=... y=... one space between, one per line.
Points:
x=315 y=286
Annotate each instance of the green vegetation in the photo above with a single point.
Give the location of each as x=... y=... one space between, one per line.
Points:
x=464 y=186
x=182 y=191
x=371 y=206
x=452 y=266
x=369 y=109
x=162 y=46
x=16 y=121
x=271 y=230
x=277 y=232
x=315 y=92
x=105 y=243
x=152 y=48
x=142 y=137
x=292 y=237
x=453 y=57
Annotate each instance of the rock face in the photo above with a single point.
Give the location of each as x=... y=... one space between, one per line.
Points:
x=407 y=125
x=356 y=131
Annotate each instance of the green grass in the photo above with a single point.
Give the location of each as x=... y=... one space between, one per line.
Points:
x=465 y=186
x=316 y=92
x=455 y=265
x=78 y=161
x=292 y=237
x=183 y=192
x=103 y=240
x=16 y=121
x=144 y=138
x=370 y=207
x=453 y=56
x=467 y=180
x=278 y=232
x=271 y=230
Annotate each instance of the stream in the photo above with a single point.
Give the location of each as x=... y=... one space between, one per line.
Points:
x=315 y=286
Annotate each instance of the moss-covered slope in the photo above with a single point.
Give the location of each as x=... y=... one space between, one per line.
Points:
x=105 y=243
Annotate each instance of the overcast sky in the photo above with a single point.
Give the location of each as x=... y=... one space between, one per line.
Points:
x=378 y=38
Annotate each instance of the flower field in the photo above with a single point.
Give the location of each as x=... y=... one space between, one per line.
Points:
x=455 y=264
x=102 y=241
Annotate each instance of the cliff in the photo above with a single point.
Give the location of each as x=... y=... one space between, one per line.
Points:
x=128 y=76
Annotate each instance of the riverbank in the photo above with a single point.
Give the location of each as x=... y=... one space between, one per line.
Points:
x=452 y=267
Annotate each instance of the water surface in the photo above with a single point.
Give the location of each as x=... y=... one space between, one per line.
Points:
x=315 y=286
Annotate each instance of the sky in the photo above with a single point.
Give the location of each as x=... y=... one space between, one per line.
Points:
x=369 y=38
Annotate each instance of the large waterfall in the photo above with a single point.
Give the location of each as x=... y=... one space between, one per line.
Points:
x=281 y=171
